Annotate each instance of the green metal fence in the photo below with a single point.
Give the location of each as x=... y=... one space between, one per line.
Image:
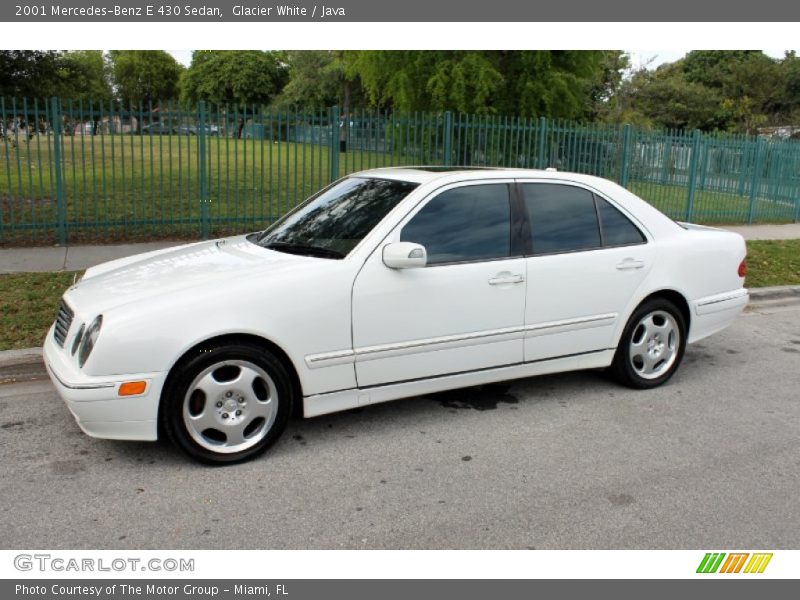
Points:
x=87 y=172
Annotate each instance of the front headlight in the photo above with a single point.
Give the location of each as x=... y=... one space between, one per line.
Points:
x=89 y=340
x=78 y=339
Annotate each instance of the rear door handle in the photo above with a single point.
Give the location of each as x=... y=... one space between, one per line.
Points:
x=506 y=278
x=629 y=264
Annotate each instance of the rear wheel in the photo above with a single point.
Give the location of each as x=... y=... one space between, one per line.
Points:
x=651 y=347
x=227 y=403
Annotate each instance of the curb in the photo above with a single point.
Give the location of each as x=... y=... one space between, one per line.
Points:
x=777 y=297
x=779 y=292
x=21 y=365
x=27 y=364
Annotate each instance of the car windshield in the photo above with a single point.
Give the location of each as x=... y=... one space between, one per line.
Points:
x=332 y=223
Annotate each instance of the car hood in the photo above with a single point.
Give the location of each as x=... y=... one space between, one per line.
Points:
x=163 y=272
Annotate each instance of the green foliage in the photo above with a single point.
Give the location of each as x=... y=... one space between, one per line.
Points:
x=668 y=100
x=316 y=79
x=38 y=74
x=144 y=75
x=233 y=77
x=715 y=68
x=30 y=74
x=78 y=75
x=785 y=106
x=525 y=83
x=555 y=84
x=90 y=76
x=731 y=90
x=727 y=90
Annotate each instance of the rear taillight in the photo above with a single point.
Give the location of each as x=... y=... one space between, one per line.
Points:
x=742 y=268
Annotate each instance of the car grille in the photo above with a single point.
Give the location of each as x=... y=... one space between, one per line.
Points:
x=63 y=322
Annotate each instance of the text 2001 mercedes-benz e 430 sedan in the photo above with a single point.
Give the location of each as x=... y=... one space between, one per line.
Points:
x=388 y=283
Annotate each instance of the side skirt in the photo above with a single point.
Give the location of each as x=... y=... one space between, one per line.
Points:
x=322 y=404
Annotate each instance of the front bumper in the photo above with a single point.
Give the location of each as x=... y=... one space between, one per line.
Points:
x=95 y=402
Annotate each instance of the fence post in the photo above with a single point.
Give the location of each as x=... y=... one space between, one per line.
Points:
x=448 y=139
x=666 y=158
x=542 y=146
x=202 y=169
x=745 y=149
x=755 y=181
x=334 y=144
x=794 y=186
x=3 y=123
x=797 y=207
x=58 y=166
x=692 y=174
x=626 y=153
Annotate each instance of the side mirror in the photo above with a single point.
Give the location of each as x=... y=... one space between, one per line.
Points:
x=404 y=255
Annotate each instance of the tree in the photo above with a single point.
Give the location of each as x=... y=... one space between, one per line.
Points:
x=608 y=83
x=31 y=74
x=557 y=84
x=668 y=100
x=748 y=81
x=424 y=80
x=144 y=75
x=729 y=90
x=236 y=77
x=786 y=105
x=89 y=75
x=526 y=83
x=317 y=78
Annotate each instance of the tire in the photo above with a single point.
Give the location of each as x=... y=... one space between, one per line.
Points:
x=651 y=346
x=226 y=404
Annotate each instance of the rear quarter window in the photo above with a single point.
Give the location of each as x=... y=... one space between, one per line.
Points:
x=618 y=230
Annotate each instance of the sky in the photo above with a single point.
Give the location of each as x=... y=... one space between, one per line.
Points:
x=653 y=58
x=649 y=58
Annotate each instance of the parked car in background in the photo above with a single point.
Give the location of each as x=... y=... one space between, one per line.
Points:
x=210 y=130
x=158 y=129
x=386 y=284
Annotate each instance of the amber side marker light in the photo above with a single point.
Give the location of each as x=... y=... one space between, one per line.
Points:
x=132 y=388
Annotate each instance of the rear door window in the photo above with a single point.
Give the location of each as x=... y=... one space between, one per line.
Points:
x=563 y=218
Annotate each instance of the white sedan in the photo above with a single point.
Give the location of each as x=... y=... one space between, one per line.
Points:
x=388 y=283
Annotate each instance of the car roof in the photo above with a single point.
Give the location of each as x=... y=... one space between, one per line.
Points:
x=426 y=174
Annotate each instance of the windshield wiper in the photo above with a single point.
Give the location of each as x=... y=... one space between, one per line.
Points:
x=304 y=250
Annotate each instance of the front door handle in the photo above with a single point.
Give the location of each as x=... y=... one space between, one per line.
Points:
x=629 y=264
x=506 y=278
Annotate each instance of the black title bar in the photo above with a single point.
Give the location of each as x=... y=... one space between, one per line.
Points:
x=405 y=10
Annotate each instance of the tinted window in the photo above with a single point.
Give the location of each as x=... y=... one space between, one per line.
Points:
x=617 y=228
x=563 y=218
x=466 y=223
x=335 y=221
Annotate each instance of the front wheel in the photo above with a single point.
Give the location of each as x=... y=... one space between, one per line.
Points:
x=652 y=345
x=227 y=404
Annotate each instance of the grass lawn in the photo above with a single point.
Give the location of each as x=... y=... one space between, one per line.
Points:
x=29 y=301
x=773 y=262
x=145 y=186
x=713 y=207
x=28 y=306
x=140 y=187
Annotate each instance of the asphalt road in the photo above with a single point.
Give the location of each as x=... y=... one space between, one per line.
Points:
x=567 y=461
